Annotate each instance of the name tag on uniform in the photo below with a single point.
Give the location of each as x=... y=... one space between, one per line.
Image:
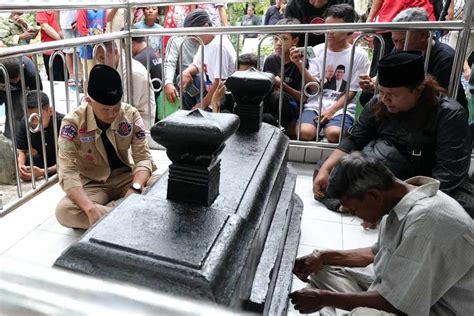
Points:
x=87 y=139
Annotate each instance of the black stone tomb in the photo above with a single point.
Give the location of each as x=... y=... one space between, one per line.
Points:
x=238 y=252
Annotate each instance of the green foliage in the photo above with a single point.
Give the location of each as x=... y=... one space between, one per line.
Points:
x=236 y=11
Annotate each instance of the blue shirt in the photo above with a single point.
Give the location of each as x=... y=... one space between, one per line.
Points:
x=155 y=41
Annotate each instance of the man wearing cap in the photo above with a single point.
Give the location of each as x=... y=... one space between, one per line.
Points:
x=423 y=260
x=197 y=18
x=440 y=61
x=103 y=154
x=142 y=93
x=411 y=126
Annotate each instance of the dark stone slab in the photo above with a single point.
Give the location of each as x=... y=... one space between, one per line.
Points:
x=168 y=224
x=210 y=253
x=277 y=303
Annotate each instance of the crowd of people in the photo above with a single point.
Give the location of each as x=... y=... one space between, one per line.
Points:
x=402 y=163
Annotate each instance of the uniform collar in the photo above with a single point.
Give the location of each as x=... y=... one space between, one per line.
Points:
x=92 y=123
x=426 y=187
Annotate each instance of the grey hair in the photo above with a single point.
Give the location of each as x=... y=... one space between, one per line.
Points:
x=357 y=173
x=412 y=15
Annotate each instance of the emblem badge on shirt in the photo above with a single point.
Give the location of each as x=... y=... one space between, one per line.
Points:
x=68 y=132
x=140 y=134
x=124 y=129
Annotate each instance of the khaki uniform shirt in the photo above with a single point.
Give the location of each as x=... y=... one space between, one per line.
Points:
x=82 y=156
x=424 y=256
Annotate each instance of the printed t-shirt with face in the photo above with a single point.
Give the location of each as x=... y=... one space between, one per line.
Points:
x=336 y=76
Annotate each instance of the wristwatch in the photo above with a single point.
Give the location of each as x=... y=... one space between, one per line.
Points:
x=137 y=187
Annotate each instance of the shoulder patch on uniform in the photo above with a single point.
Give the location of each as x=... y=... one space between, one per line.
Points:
x=140 y=134
x=124 y=129
x=68 y=132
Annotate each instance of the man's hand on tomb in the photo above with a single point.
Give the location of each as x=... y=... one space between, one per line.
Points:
x=306 y=265
x=94 y=214
x=307 y=300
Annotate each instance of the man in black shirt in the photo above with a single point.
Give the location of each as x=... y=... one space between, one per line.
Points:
x=13 y=68
x=440 y=61
x=311 y=12
x=412 y=127
x=38 y=169
x=291 y=81
x=141 y=52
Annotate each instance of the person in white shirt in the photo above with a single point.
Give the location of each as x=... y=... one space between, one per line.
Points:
x=142 y=94
x=213 y=72
x=333 y=96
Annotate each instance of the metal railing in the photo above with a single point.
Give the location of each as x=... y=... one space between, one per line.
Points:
x=125 y=39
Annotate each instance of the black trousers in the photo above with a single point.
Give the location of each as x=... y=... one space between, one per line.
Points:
x=58 y=68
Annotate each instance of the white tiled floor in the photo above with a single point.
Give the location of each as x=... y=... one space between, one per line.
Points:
x=31 y=232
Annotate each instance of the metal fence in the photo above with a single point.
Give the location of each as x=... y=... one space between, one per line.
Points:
x=124 y=39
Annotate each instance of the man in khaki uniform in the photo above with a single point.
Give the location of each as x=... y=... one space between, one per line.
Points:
x=103 y=154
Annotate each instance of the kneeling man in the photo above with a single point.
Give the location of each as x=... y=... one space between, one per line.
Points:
x=103 y=154
x=423 y=259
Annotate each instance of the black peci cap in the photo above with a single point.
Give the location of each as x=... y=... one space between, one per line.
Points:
x=401 y=69
x=105 y=85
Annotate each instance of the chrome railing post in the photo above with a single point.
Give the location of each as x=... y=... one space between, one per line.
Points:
x=11 y=121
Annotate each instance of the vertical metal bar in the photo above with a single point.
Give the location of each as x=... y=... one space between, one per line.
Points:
x=128 y=54
x=460 y=51
x=303 y=84
x=25 y=116
x=282 y=69
x=321 y=95
x=152 y=121
x=348 y=85
x=76 y=75
x=382 y=49
x=202 y=69
x=428 y=49
x=162 y=86
x=180 y=58
x=12 y=127
x=40 y=109
x=407 y=39
x=220 y=57
x=53 y=99
x=85 y=75
x=237 y=52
